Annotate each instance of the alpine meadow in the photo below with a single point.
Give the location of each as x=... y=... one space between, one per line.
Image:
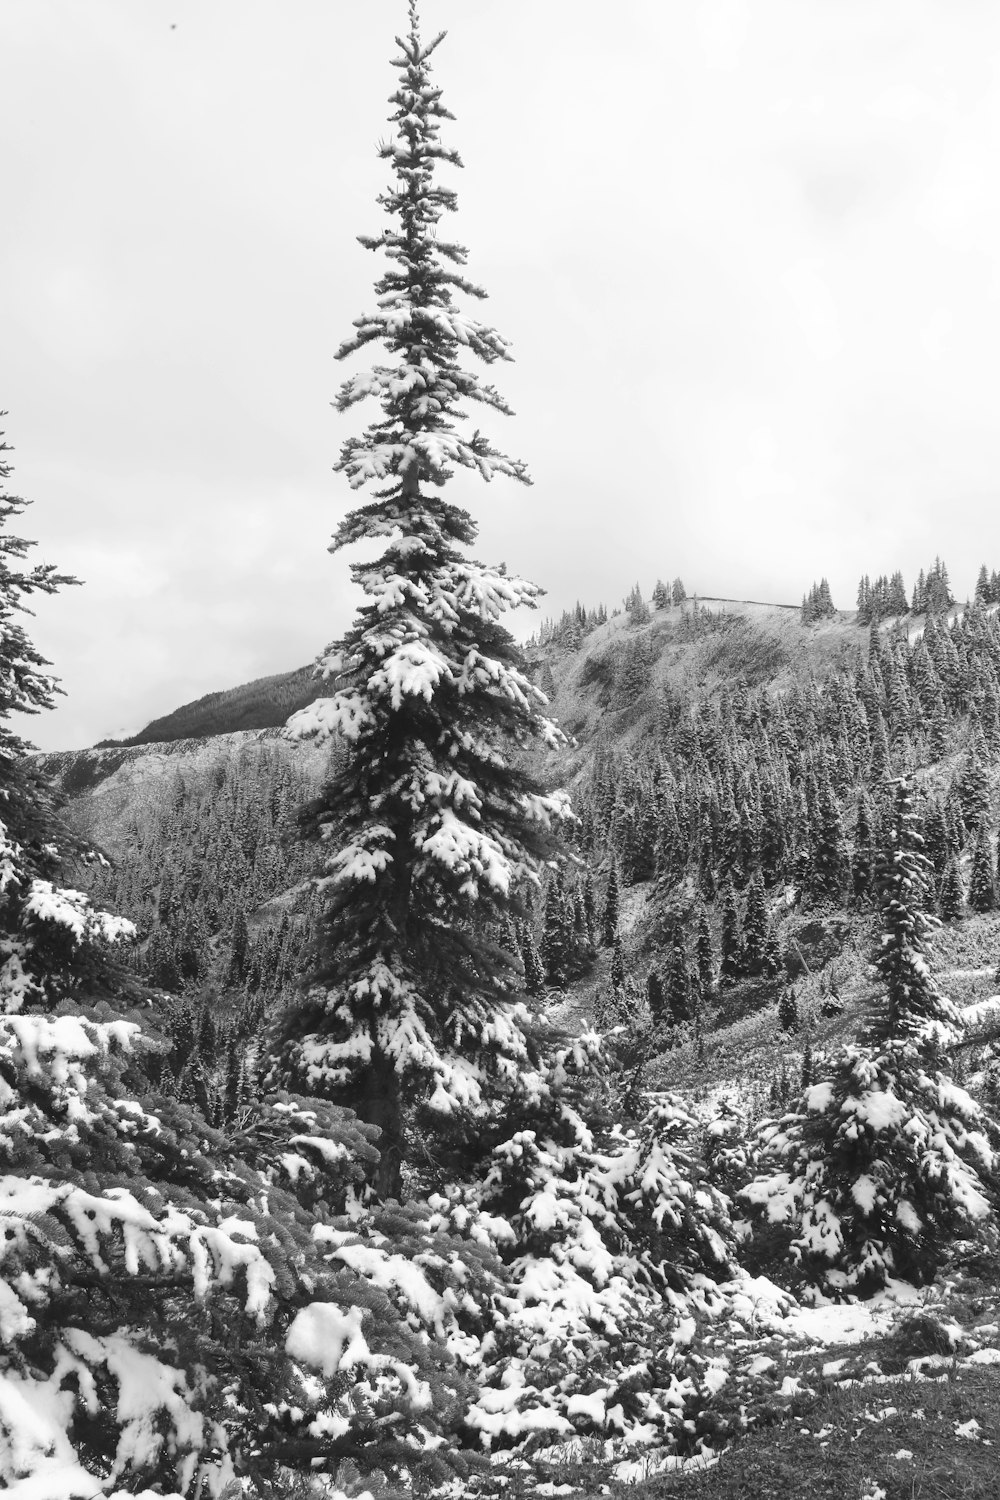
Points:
x=475 y=1066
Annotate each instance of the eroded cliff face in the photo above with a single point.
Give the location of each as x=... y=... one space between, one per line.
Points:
x=108 y=791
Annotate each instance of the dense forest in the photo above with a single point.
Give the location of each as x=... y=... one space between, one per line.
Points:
x=521 y=1072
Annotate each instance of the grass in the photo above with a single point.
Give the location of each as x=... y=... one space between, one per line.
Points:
x=842 y=1444
x=885 y=1420
x=828 y=1451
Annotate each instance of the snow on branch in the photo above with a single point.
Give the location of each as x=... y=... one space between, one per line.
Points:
x=347 y=714
x=47 y=902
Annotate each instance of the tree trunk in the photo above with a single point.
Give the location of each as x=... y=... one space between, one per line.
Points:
x=379 y=1103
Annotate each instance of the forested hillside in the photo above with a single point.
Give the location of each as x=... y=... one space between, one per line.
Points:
x=204 y=857
x=728 y=769
x=527 y=1071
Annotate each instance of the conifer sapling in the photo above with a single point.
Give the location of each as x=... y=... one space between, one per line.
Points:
x=883 y=1162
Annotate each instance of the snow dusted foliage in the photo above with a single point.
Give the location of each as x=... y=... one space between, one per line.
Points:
x=883 y=1161
x=170 y=1311
x=25 y=686
x=432 y=827
x=569 y=1275
x=172 y=1319
x=612 y=1240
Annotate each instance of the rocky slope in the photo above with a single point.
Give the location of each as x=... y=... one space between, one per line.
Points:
x=110 y=789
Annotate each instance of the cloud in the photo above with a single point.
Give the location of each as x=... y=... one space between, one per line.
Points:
x=744 y=253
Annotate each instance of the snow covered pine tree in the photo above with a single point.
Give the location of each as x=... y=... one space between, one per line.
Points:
x=432 y=827
x=883 y=1162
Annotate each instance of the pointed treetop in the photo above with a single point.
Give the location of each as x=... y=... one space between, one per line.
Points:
x=419 y=438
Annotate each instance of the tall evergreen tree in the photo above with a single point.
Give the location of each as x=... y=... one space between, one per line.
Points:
x=788 y=1010
x=239 y=948
x=432 y=827
x=557 y=933
x=732 y=938
x=756 y=927
x=829 y=857
x=534 y=971
x=935 y=834
x=609 y=916
x=590 y=909
x=982 y=878
x=952 y=891
x=655 y=996
x=705 y=954
x=863 y=858
x=618 y=966
x=972 y=784
x=678 y=986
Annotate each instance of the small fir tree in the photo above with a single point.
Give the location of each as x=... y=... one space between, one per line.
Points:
x=630 y=1235
x=590 y=909
x=952 y=897
x=239 y=949
x=881 y=1164
x=638 y=609
x=678 y=984
x=982 y=879
x=757 y=943
x=788 y=1010
x=609 y=916
x=656 y=997
x=972 y=784
x=863 y=857
x=705 y=954
x=731 y=966
x=936 y=843
x=618 y=966
x=557 y=934
x=534 y=970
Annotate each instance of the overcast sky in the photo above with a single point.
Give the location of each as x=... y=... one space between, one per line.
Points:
x=746 y=253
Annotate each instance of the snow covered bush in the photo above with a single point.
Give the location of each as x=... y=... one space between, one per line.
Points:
x=170 y=1310
x=726 y=1147
x=433 y=828
x=613 y=1243
x=883 y=1162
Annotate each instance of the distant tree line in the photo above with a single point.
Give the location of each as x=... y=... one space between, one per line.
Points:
x=818 y=603
x=886 y=597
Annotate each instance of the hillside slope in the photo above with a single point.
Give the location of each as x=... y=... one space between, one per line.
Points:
x=265 y=703
x=717 y=751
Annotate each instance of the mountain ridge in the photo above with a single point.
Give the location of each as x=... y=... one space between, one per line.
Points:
x=262 y=703
x=267 y=702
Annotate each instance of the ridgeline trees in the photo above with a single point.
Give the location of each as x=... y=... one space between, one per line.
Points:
x=817 y=604
x=432 y=828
